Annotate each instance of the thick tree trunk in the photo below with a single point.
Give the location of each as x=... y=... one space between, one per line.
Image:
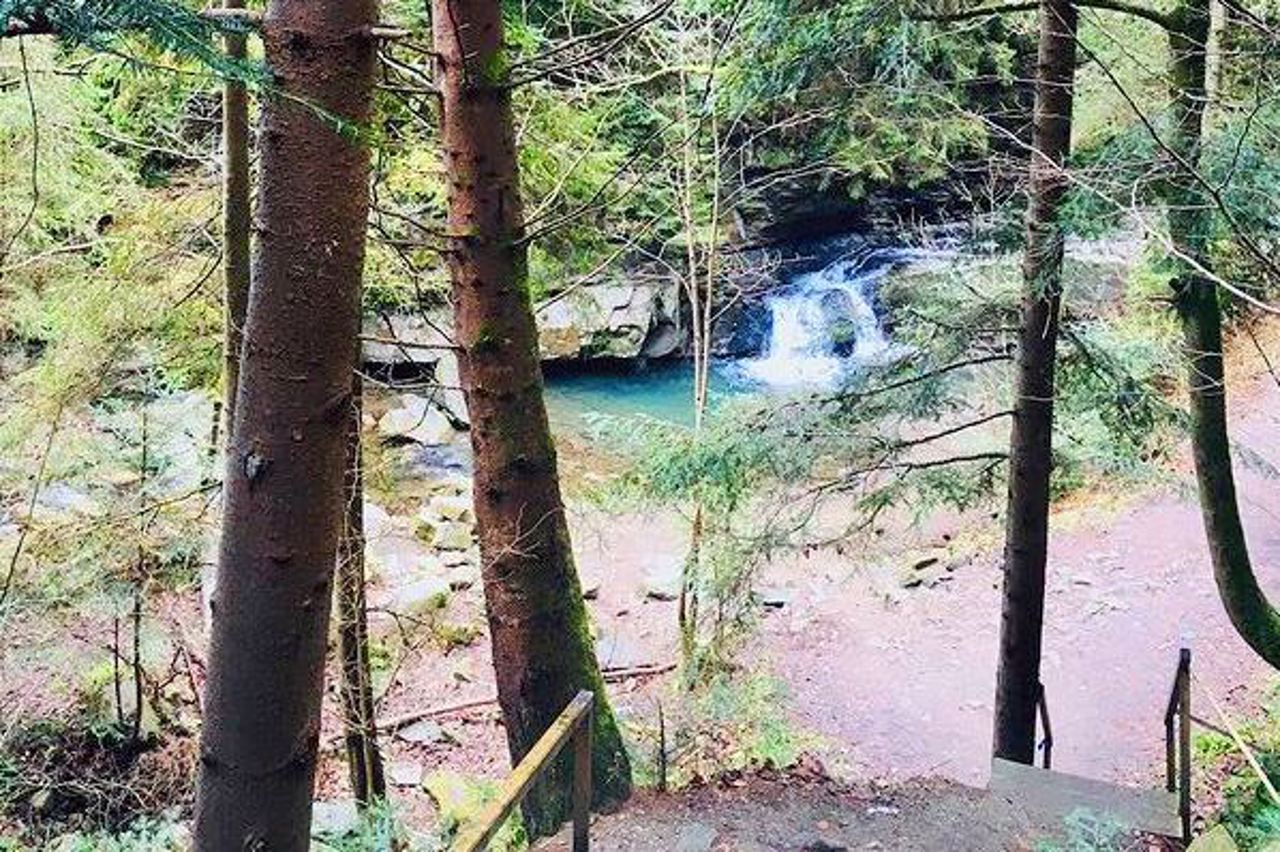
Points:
x=1190 y=221
x=283 y=482
x=364 y=762
x=542 y=647
x=1031 y=442
x=236 y=223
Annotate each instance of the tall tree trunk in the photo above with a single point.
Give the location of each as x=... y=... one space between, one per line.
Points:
x=364 y=762
x=1190 y=221
x=542 y=647
x=283 y=482
x=1031 y=441
x=236 y=222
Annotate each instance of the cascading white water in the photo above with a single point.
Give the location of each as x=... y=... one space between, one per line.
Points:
x=824 y=324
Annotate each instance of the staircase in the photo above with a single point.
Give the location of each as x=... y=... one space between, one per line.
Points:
x=1049 y=796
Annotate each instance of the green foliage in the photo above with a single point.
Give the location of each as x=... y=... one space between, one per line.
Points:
x=1247 y=811
x=733 y=726
x=144 y=835
x=106 y=25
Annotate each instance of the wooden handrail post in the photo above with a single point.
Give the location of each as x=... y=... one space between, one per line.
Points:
x=582 y=747
x=572 y=724
x=1184 y=741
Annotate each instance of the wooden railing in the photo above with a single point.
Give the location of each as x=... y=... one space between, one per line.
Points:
x=1177 y=757
x=1046 y=744
x=574 y=723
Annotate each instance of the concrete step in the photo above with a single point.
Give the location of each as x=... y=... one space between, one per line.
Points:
x=1051 y=796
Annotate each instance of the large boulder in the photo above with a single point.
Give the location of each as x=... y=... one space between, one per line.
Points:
x=416 y=419
x=405 y=338
x=621 y=321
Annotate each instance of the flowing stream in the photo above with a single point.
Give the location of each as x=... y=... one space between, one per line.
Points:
x=821 y=326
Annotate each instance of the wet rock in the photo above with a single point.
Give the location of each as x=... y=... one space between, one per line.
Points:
x=415 y=419
x=609 y=321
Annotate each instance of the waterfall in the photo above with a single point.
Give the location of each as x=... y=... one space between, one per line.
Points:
x=824 y=324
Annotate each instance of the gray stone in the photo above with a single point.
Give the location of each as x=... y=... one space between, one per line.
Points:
x=609 y=321
x=453 y=535
x=463 y=577
x=421 y=339
x=405 y=773
x=426 y=732
x=335 y=819
x=616 y=651
x=662 y=583
x=451 y=507
x=460 y=558
x=61 y=498
x=415 y=419
x=421 y=596
x=775 y=598
x=448 y=395
x=696 y=837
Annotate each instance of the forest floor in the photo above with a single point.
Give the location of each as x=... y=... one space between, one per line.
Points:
x=882 y=654
x=895 y=683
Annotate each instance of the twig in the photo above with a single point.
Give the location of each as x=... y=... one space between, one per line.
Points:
x=35 y=160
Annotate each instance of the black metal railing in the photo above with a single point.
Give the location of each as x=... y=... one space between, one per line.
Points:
x=574 y=723
x=1177 y=748
x=1046 y=744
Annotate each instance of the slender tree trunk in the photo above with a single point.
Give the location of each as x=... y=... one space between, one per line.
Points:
x=1031 y=442
x=542 y=647
x=283 y=482
x=1190 y=221
x=364 y=762
x=236 y=223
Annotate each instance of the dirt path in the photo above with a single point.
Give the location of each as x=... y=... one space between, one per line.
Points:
x=901 y=683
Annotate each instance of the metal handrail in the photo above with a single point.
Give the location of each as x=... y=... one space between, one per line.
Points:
x=1177 y=758
x=573 y=723
x=1047 y=743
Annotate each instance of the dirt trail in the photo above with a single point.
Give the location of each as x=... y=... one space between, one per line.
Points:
x=903 y=688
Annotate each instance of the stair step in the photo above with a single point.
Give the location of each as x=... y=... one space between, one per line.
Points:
x=1051 y=796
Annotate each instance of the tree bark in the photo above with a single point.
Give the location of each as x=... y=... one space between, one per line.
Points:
x=1031 y=441
x=542 y=648
x=1197 y=300
x=283 y=482
x=236 y=222
x=364 y=761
